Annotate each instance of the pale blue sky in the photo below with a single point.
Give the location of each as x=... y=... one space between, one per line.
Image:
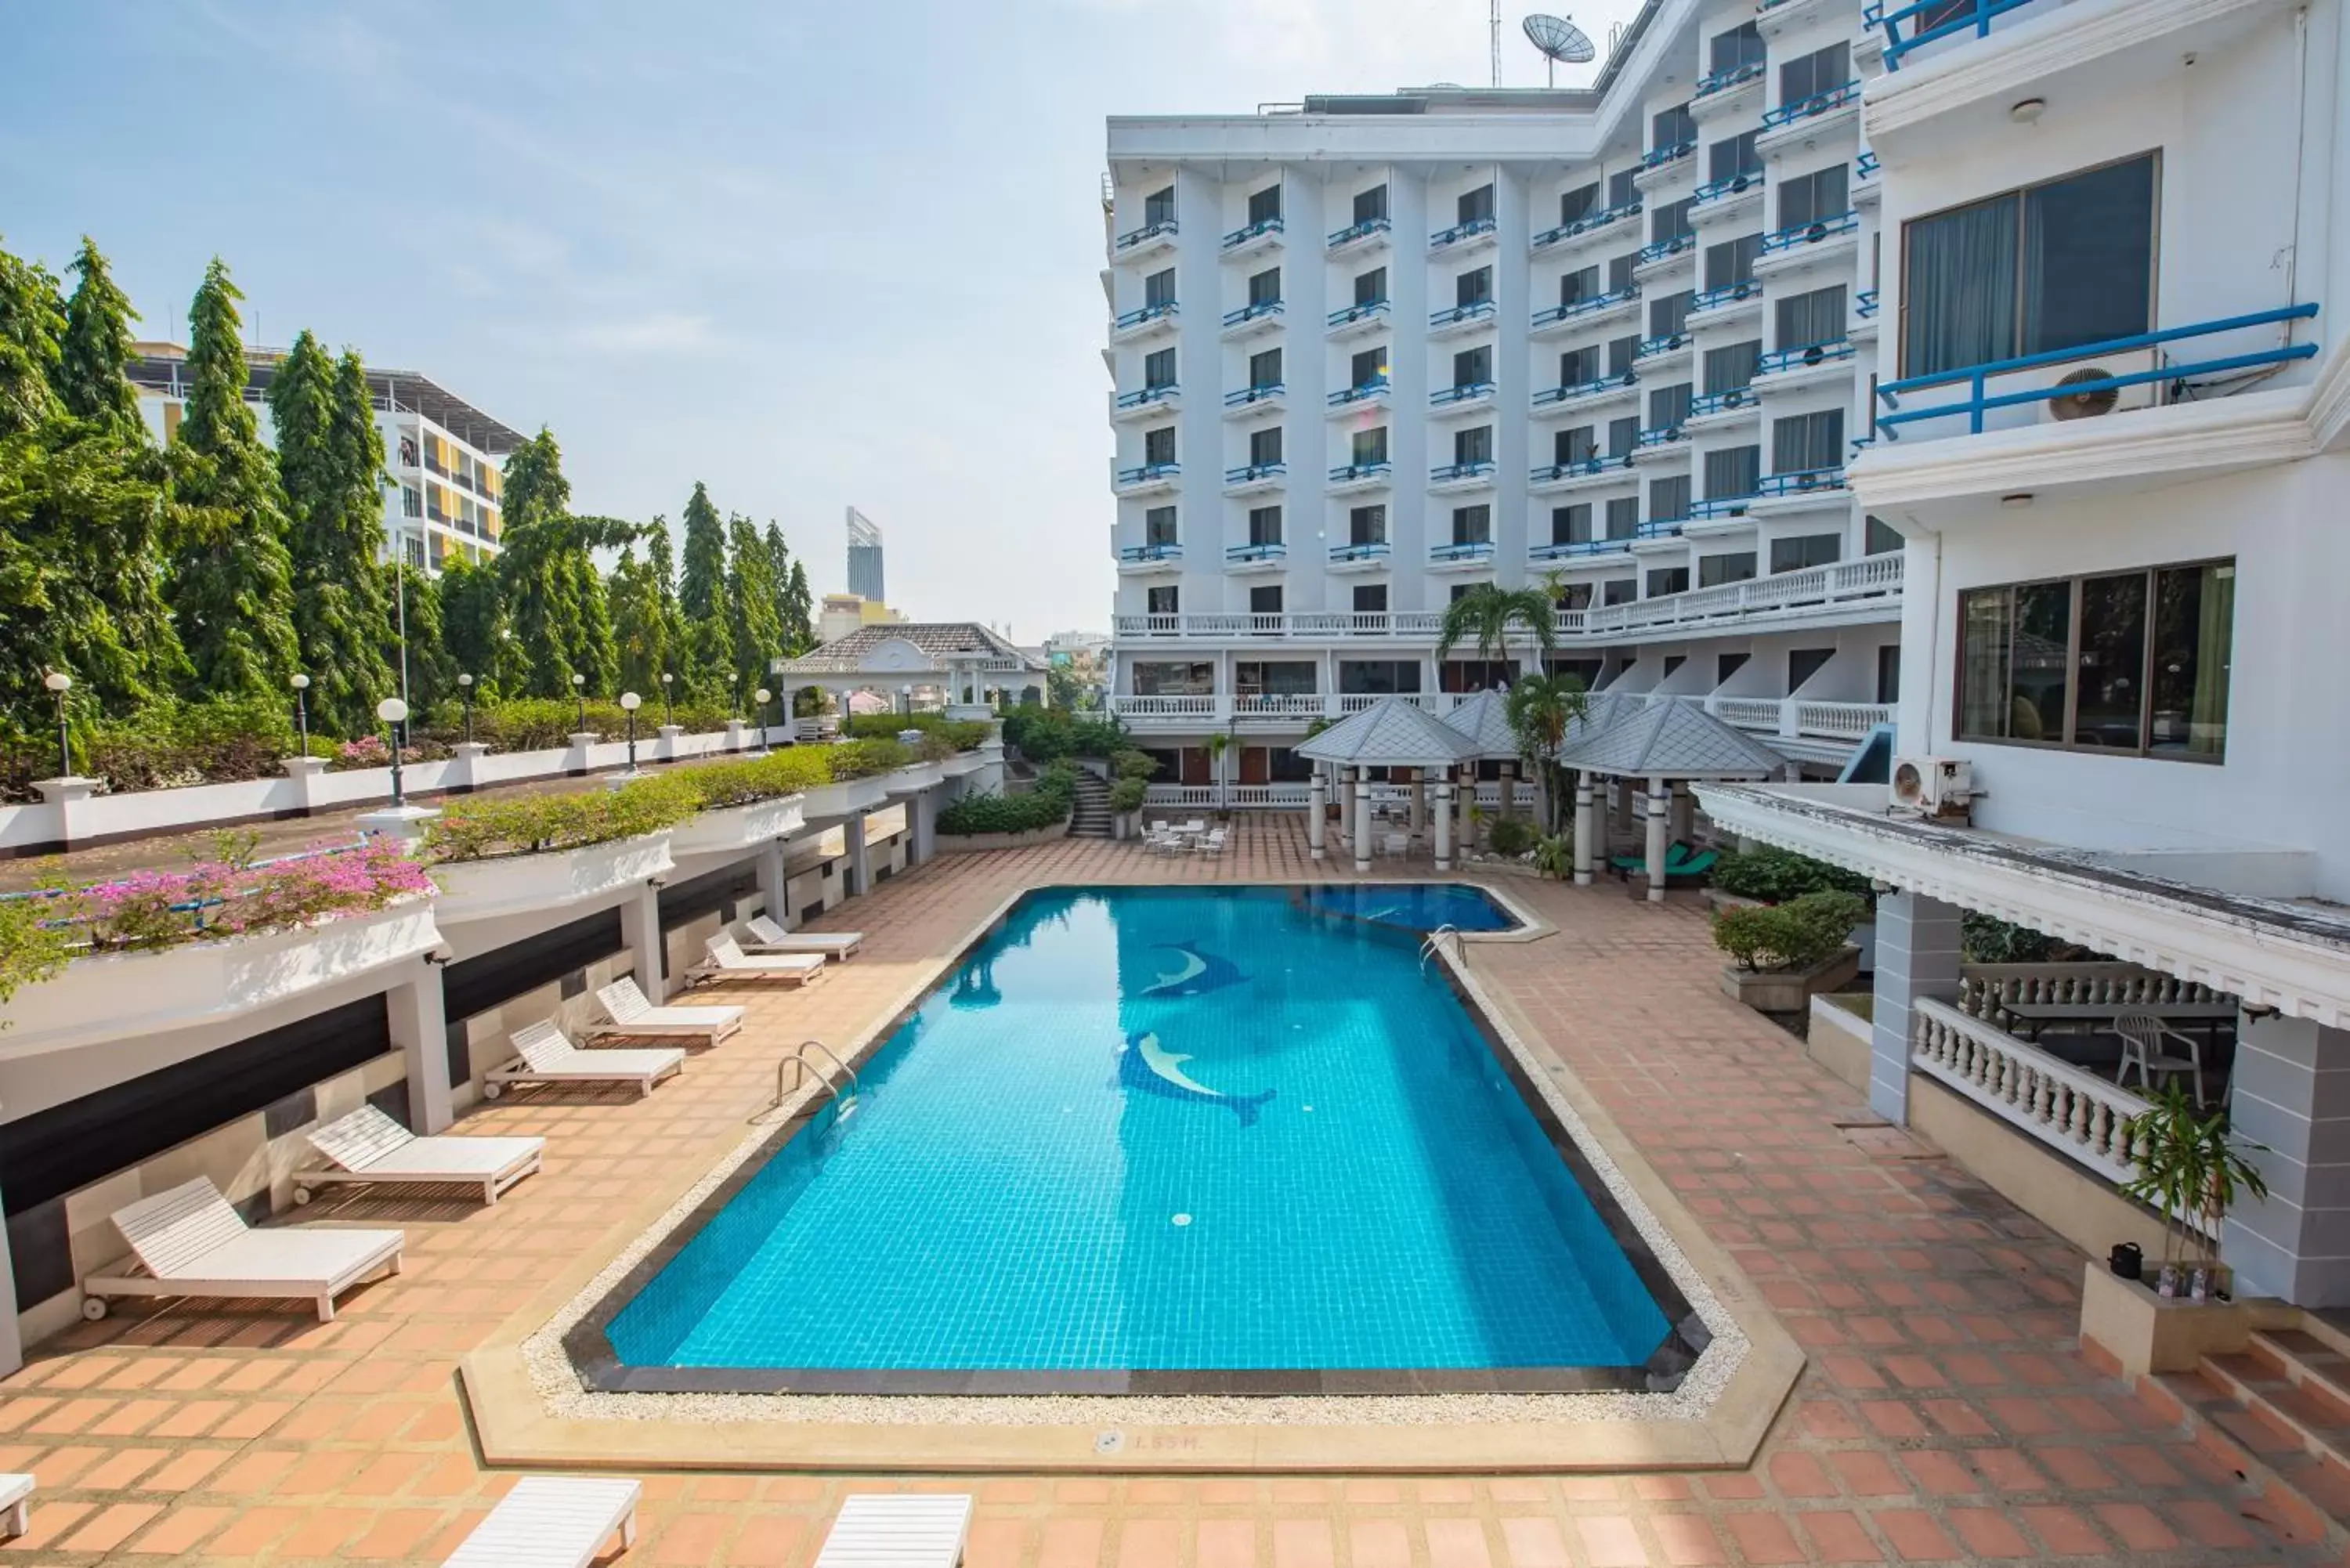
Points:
x=817 y=253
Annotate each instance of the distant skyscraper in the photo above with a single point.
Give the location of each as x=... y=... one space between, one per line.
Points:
x=864 y=557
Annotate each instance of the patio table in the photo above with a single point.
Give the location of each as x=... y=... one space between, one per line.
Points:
x=2039 y=1015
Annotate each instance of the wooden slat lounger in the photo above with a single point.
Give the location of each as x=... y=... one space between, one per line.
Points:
x=727 y=960
x=552 y=1522
x=370 y=1149
x=766 y=937
x=544 y=1056
x=16 y=1499
x=898 y=1530
x=635 y=1018
x=187 y=1242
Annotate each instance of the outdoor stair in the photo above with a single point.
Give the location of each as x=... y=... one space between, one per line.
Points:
x=2278 y=1414
x=1090 y=817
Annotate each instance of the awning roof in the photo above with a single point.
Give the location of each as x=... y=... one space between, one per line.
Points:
x=1674 y=739
x=1485 y=720
x=1392 y=732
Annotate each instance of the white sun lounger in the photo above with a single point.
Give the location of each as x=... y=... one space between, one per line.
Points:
x=766 y=937
x=634 y=1017
x=727 y=960
x=552 y=1522
x=370 y=1149
x=187 y=1242
x=544 y=1056
x=17 y=1499
x=898 y=1530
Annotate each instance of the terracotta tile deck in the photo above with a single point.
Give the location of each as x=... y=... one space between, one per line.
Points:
x=1945 y=1415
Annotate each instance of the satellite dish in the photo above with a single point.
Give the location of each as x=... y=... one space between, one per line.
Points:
x=1559 y=40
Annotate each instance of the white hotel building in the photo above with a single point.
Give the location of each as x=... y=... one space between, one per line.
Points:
x=1373 y=350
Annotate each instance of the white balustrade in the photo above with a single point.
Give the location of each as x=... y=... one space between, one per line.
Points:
x=1200 y=706
x=1280 y=705
x=1986 y=991
x=1749 y=713
x=2061 y=1106
x=1841 y=720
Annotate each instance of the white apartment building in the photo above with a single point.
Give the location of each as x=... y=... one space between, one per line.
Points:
x=1369 y=351
x=444 y=480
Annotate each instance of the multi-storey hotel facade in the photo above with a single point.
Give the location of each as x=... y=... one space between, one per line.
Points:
x=1368 y=352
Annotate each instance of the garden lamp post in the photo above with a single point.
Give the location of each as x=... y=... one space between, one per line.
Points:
x=465 y=691
x=669 y=713
x=630 y=703
x=58 y=681
x=761 y=697
x=394 y=713
x=579 y=691
x=302 y=710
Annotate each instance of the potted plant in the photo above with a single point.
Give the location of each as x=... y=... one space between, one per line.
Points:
x=1783 y=954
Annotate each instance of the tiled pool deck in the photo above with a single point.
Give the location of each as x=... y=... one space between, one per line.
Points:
x=1944 y=1415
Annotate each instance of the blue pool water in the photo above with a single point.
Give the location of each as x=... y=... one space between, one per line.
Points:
x=1163 y=1128
x=1414 y=906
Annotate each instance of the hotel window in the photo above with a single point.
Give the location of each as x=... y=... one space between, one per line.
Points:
x=1273 y=678
x=2048 y=267
x=1880 y=538
x=1578 y=286
x=1813 y=198
x=1671 y=221
x=1889 y=672
x=1666 y=580
x=1577 y=366
x=1823 y=71
x=1158 y=207
x=1473 y=445
x=1729 y=368
x=1265 y=447
x=411 y=503
x=1733 y=261
x=1580 y=444
x=1621 y=352
x=1619 y=272
x=1161 y=601
x=1668 y=405
x=1370 y=367
x=1379 y=677
x=1733 y=472
x=1624 y=518
x=1159 y=288
x=1371 y=287
x=1157 y=678
x=1675 y=660
x=1741 y=45
x=1265 y=600
x=1158 y=446
x=1263 y=204
x=1571 y=525
x=1672 y=127
x=1473 y=367
x=1371 y=205
x=1668 y=316
x=1728 y=158
x=2136 y=662
x=1264 y=368
x=1621 y=190
x=1805 y=319
x=1158 y=368
x=1621 y=591
x=1578 y=204
x=1370 y=598
x=1668 y=498
x=1623 y=435
x=1475 y=287
x=1806 y=550
x=1369 y=447
x=1265 y=526
x=1158 y=525
x=1472 y=525
x=1572 y=597
x=1474 y=206
x=1474 y=674
x=1367 y=525
x=1264 y=287
x=1806 y=443
x=1726 y=665
x=1802 y=663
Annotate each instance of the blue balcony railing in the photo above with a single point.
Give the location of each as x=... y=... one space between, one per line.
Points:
x=1475 y=310
x=1804 y=482
x=1975 y=399
x=1369 y=550
x=1795 y=236
x=1165 y=550
x=1929 y=21
x=1580 y=468
x=1662 y=528
x=1574 y=310
x=1721 y=402
x=1586 y=224
x=1454 y=236
x=1361 y=231
x=1778 y=361
x=1467 y=391
x=1672 y=152
x=1729 y=185
x=1462 y=550
x=1148 y=472
x=1585 y=388
x=1558 y=549
x=1145 y=397
x=1725 y=79
x=1658 y=249
x=1141 y=314
x=1242 y=236
x=1272 y=550
x=1728 y=293
x=1554 y=551
x=1247 y=396
x=1254 y=472
x=1866 y=167
x=1661 y=344
x=1865 y=304
x=1714 y=508
x=1656 y=436
x=1133 y=237
x=1350 y=472
x=1346 y=397
x=1263 y=307
x=1805 y=109
x=1362 y=312
x=1476 y=468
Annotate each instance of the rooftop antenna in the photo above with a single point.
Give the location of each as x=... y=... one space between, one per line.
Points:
x=1559 y=40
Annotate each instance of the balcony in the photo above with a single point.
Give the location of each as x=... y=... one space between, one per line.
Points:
x=1271 y=398
x=1659 y=536
x=1552 y=478
x=1657 y=441
x=1867 y=179
x=1279 y=707
x=1266 y=557
x=1572 y=549
x=1461 y=556
x=1464 y=238
x=1799 y=247
x=1458 y=320
x=1802 y=490
x=1865 y=307
x=1148 y=321
x=1146 y=401
x=1358 y=320
x=1718 y=514
x=1720 y=411
x=1165 y=555
x=1731 y=196
x=1370 y=395
x=1250 y=320
x=1926 y=22
x=1661 y=166
x=1367 y=556
x=1666 y=348
x=1153 y=712
x=1453 y=402
x=1804 y=121
x=1721 y=93
x=1573 y=236
x=1253 y=239
x=1152 y=239
x=1730 y=302
x=1599 y=310
x=1256 y=478
x=1555 y=402
x=1784 y=367
x=1663 y=257
x=1146 y=479
x=1474 y=474
x=1776 y=18
x=1359 y=239
x=1354 y=478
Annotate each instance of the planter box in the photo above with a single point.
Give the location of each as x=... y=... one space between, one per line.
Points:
x=1790 y=991
x=737 y=827
x=910 y=781
x=483 y=889
x=114 y=996
x=2145 y=1333
x=961 y=763
x=846 y=799
x=963 y=844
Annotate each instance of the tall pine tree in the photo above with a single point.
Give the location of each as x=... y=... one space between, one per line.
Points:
x=706 y=657
x=473 y=627
x=754 y=629
x=329 y=460
x=660 y=561
x=799 y=610
x=96 y=347
x=232 y=582
x=548 y=579
x=639 y=629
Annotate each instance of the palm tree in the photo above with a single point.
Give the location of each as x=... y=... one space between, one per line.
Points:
x=1485 y=614
x=1540 y=707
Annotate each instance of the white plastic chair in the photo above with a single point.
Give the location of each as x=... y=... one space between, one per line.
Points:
x=2144 y=1036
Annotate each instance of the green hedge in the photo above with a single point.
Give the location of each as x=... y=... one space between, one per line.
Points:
x=1042 y=806
x=1776 y=875
x=1126 y=795
x=863 y=759
x=487 y=828
x=791 y=770
x=1049 y=734
x=959 y=735
x=1795 y=935
x=1512 y=835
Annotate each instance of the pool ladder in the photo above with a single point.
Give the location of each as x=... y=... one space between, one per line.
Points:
x=798 y=1059
x=1434 y=945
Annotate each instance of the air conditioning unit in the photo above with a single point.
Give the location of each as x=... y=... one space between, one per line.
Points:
x=1933 y=787
x=2077 y=405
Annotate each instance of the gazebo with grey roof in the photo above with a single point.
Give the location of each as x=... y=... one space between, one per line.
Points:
x=963 y=657
x=1392 y=732
x=1667 y=743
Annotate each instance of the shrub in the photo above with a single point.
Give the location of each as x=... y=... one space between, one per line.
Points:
x=1047 y=734
x=958 y=734
x=1126 y=795
x=1512 y=835
x=547 y=724
x=1776 y=875
x=1795 y=935
x=863 y=759
x=1982 y=940
x=1003 y=813
x=1130 y=763
x=483 y=829
x=1555 y=855
x=793 y=770
x=31 y=948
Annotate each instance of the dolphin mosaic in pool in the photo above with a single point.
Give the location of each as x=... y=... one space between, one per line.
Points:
x=1196 y=974
x=1145 y=1064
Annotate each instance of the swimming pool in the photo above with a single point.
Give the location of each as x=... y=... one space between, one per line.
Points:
x=1162 y=1139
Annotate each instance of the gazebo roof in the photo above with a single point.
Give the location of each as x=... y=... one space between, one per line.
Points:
x=1676 y=738
x=1392 y=732
x=911 y=647
x=1484 y=718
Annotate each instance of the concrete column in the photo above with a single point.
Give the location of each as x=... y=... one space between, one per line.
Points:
x=2290 y=1094
x=1317 y=813
x=1346 y=804
x=1362 y=820
x=1509 y=791
x=665 y=747
x=1684 y=815
x=578 y=762
x=12 y=1337
x=1586 y=828
x=303 y=772
x=420 y=1028
x=69 y=798
x=1623 y=803
x=464 y=766
x=640 y=933
x=771 y=881
x=858 y=880
x=1659 y=804
x=922 y=825
x=1916 y=958
x=1444 y=824
x=1418 y=802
